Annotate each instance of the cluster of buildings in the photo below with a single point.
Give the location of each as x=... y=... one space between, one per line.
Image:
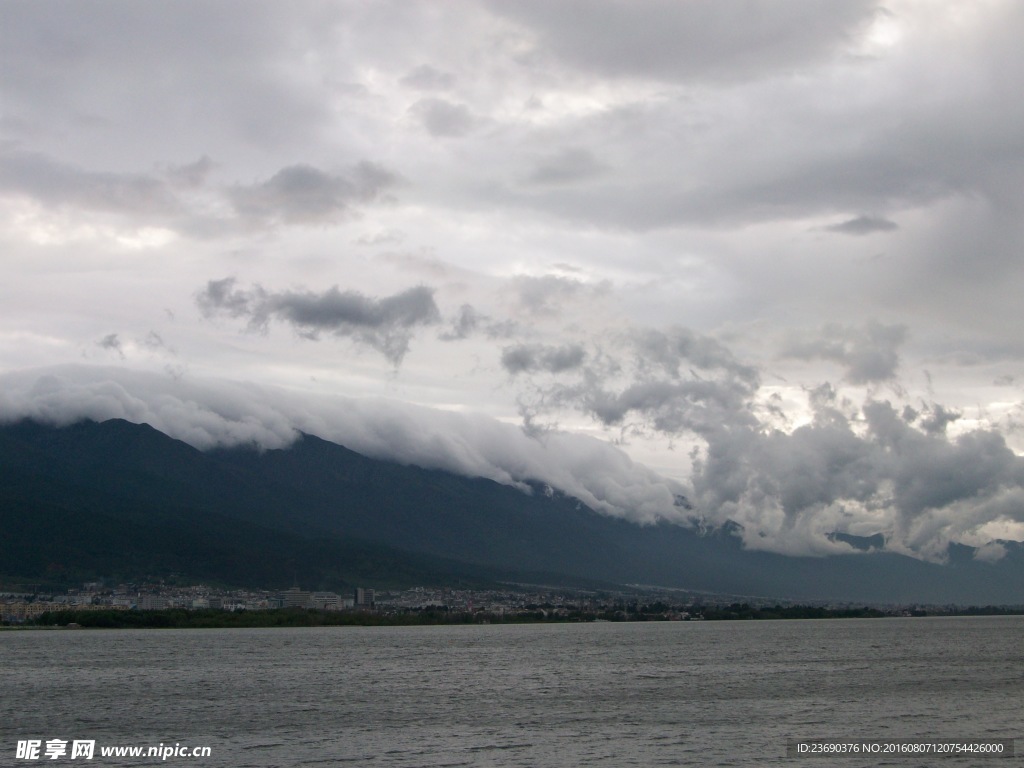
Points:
x=494 y=601
x=324 y=601
x=19 y=607
x=517 y=599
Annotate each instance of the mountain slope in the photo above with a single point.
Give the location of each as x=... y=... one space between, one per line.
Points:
x=302 y=506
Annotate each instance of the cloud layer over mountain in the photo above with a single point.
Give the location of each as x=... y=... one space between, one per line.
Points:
x=768 y=250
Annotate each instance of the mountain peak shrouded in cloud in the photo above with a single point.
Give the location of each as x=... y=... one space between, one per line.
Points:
x=223 y=414
x=789 y=492
x=139 y=504
x=762 y=255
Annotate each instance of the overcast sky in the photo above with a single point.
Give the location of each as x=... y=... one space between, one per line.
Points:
x=771 y=252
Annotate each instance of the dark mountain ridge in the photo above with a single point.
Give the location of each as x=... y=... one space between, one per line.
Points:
x=139 y=502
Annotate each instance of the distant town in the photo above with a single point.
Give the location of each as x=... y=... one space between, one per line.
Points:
x=93 y=596
x=430 y=604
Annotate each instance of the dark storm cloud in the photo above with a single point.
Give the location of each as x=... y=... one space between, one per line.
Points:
x=443 y=118
x=935 y=419
x=567 y=167
x=729 y=39
x=869 y=354
x=54 y=184
x=385 y=324
x=302 y=194
x=671 y=382
x=428 y=78
x=750 y=471
x=531 y=358
x=863 y=225
x=922 y=490
x=857 y=469
x=930 y=472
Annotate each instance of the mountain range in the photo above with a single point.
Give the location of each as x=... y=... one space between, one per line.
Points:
x=124 y=501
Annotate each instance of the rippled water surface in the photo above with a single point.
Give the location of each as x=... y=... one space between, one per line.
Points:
x=700 y=693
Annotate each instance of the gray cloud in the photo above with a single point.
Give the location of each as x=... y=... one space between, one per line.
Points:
x=469 y=321
x=931 y=473
x=530 y=358
x=191 y=174
x=935 y=419
x=220 y=297
x=464 y=325
x=669 y=350
x=298 y=194
x=156 y=343
x=671 y=407
x=386 y=237
x=302 y=194
x=546 y=294
x=163 y=79
x=732 y=39
x=567 y=167
x=926 y=138
x=863 y=225
x=385 y=324
x=816 y=180
x=670 y=382
x=860 y=470
x=57 y=184
x=869 y=354
x=112 y=342
x=920 y=490
x=443 y=118
x=428 y=78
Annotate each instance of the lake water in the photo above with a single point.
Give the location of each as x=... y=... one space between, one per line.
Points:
x=699 y=693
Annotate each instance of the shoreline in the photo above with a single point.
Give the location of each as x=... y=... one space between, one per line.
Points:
x=290 y=618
